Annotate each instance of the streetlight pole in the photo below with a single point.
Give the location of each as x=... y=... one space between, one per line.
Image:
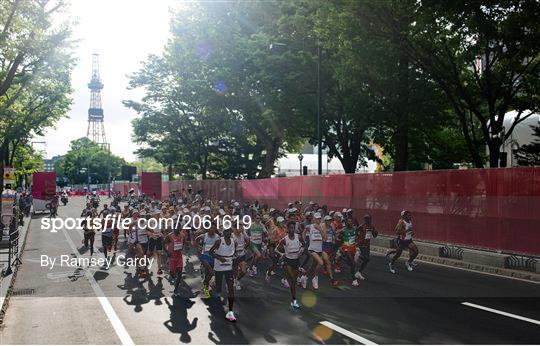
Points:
x=319 y=141
x=300 y=158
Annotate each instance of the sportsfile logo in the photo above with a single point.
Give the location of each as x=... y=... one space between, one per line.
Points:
x=186 y=222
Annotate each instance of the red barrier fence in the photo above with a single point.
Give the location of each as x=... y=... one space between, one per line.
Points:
x=496 y=209
x=43 y=185
x=219 y=189
x=151 y=184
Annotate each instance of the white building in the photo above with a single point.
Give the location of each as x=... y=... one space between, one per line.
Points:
x=289 y=165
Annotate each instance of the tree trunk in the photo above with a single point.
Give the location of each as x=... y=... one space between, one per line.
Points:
x=494 y=149
x=401 y=136
x=4 y=159
x=170 y=172
x=349 y=165
x=272 y=150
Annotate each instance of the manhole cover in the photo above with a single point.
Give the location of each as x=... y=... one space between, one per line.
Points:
x=23 y=292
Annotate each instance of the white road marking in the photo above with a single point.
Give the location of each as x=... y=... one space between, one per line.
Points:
x=507 y=314
x=347 y=333
x=117 y=324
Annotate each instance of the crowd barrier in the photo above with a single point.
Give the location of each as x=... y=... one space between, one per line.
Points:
x=495 y=209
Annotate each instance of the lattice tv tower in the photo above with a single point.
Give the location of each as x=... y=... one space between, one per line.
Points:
x=96 y=125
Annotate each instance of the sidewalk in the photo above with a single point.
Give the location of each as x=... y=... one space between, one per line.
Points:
x=6 y=283
x=496 y=263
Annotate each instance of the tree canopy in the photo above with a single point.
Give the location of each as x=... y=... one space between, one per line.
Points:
x=429 y=82
x=87 y=159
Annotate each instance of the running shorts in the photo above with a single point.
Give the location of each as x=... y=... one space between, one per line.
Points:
x=328 y=247
x=348 y=248
x=155 y=244
x=105 y=240
x=143 y=245
x=239 y=260
x=292 y=262
x=207 y=258
x=176 y=262
x=404 y=244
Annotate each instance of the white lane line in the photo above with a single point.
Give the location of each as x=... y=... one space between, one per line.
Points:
x=117 y=324
x=347 y=333
x=499 y=312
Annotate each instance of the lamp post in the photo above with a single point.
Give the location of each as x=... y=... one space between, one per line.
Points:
x=300 y=158
x=319 y=134
x=319 y=140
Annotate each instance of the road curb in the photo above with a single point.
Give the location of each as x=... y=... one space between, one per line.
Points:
x=9 y=291
x=515 y=274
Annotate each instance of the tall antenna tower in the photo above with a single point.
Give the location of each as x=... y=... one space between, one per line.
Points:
x=96 y=125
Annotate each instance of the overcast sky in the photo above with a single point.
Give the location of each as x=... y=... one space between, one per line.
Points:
x=123 y=33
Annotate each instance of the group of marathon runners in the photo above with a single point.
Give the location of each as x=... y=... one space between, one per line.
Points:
x=233 y=239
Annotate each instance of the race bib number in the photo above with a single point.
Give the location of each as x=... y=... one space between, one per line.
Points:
x=177 y=246
x=369 y=235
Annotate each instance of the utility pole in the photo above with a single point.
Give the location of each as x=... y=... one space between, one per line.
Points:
x=319 y=134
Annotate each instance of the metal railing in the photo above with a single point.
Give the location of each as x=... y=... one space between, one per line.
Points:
x=11 y=246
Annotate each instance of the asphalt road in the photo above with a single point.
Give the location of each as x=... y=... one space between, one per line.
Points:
x=66 y=305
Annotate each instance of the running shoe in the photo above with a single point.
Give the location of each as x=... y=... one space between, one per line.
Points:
x=337 y=269
x=230 y=316
x=295 y=305
x=205 y=291
x=254 y=269
x=335 y=283
x=408 y=265
x=391 y=267
x=250 y=272
x=355 y=283
x=359 y=276
x=315 y=282
x=303 y=281
x=267 y=278
x=285 y=283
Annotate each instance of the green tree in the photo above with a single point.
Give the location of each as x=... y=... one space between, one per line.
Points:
x=35 y=66
x=217 y=98
x=483 y=55
x=87 y=158
x=26 y=161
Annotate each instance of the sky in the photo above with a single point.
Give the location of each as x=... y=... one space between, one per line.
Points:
x=123 y=33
